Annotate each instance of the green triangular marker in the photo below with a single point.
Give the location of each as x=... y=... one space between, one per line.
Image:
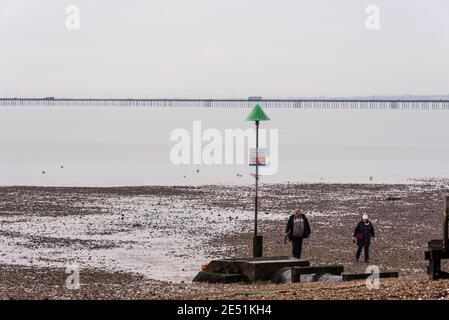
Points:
x=257 y=114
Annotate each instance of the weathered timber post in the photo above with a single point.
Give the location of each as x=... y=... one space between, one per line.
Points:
x=434 y=269
x=445 y=224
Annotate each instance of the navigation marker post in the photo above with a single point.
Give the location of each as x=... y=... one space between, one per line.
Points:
x=257 y=115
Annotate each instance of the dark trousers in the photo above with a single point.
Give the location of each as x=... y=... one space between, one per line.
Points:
x=360 y=246
x=297 y=247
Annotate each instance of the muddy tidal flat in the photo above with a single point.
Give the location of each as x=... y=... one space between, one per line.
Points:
x=149 y=242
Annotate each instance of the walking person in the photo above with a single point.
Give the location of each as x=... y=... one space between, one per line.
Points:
x=363 y=234
x=298 y=229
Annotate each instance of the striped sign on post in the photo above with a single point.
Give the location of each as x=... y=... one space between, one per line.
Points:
x=257 y=159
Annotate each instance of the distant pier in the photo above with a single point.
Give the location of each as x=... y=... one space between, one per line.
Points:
x=231 y=103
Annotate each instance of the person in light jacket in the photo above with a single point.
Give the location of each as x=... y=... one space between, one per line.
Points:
x=298 y=229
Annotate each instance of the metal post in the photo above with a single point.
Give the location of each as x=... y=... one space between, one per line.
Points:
x=257 y=240
x=256 y=202
x=445 y=224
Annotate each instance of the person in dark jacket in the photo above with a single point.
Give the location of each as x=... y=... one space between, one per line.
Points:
x=298 y=228
x=363 y=234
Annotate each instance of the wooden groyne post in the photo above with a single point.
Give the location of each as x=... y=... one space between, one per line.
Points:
x=445 y=224
x=439 y=249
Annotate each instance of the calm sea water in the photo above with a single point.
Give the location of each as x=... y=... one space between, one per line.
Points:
x=125 y=147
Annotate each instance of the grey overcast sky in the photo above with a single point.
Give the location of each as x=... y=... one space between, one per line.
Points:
x=223 y=48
